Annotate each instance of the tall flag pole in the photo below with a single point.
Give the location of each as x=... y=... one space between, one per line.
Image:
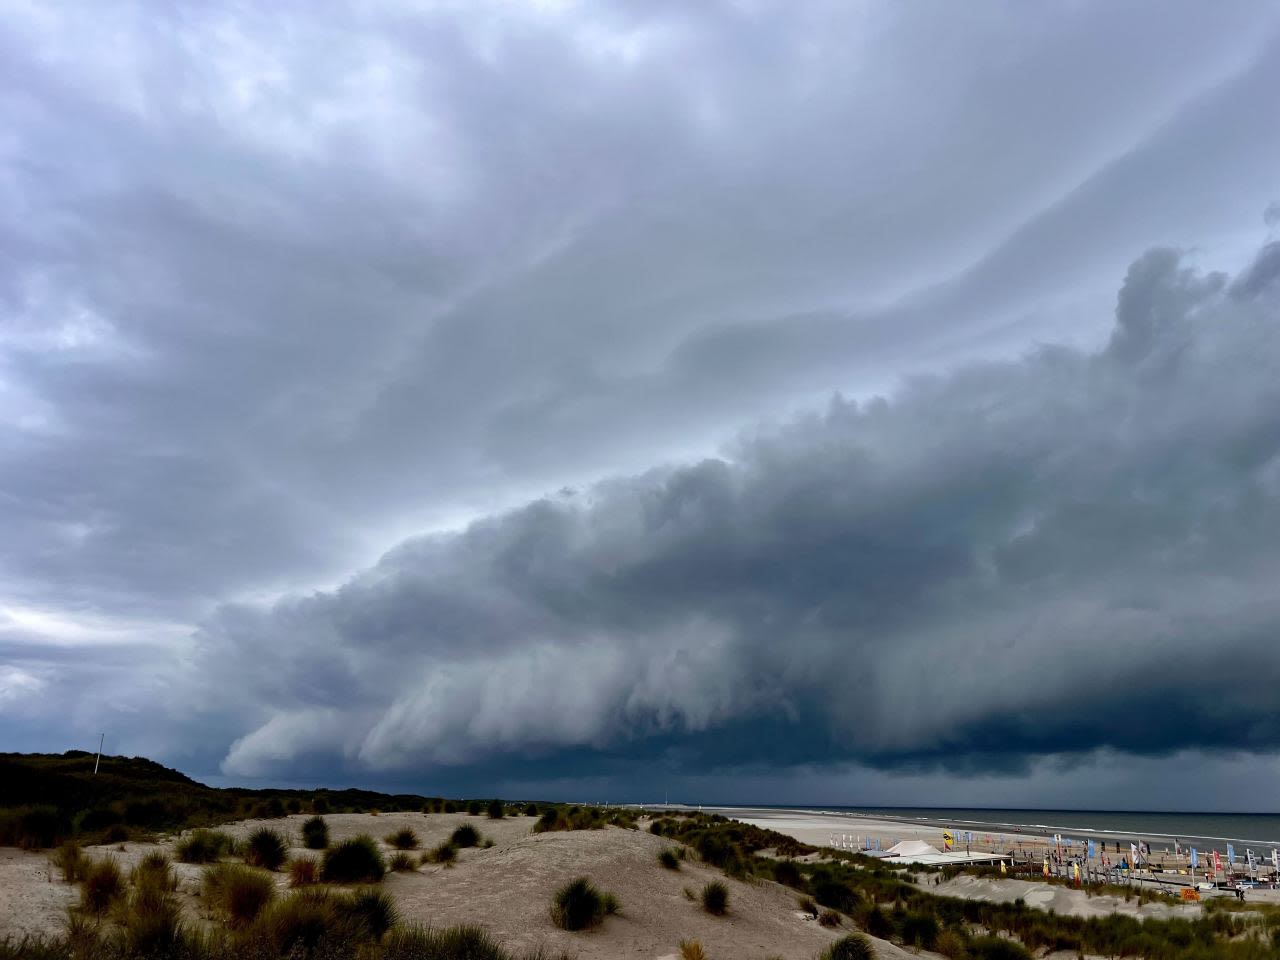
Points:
x=96 y=760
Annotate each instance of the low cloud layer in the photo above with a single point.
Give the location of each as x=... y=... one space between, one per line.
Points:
x=1057 y=555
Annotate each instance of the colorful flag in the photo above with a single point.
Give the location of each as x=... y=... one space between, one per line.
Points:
x=1092 y=850
x=948 y=840
x=1004 y=869
x=1217 y=862
x=1195 y=861
x=1231 y=855
x=1046 y=866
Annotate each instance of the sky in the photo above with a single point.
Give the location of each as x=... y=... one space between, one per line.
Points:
x=805 y=402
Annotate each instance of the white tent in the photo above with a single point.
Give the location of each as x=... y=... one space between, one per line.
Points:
x=912 y=848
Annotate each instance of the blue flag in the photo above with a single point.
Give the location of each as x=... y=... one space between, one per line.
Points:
x=1231 y=854
x=1195 y=861
x=1093 y=852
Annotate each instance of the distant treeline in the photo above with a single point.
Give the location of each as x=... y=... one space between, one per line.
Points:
x=46 y=799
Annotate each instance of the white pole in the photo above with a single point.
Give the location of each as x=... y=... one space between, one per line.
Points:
x=98 y=758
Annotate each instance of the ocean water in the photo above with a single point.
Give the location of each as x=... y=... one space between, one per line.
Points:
x=1206 y=830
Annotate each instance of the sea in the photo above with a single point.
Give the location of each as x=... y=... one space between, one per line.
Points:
x=1205 y=830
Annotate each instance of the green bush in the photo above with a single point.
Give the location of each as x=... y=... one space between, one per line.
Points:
x=830 y=918
x=238 y=892
x=315 y=833
x=153 y=872
x=457 y=943
x=401 y=862
x=669 y=859
x=32 y=828
x=302 y=872
x=530 y=809
x=203 y=846
x=265 y=848
x=853 y=947
x=496 y=810
x=465 y=836
x=103 y=885
x=475 y=808
x=579 y=905
x=919 y=929
x=150 y=925
x=715 y=898
x=404 y=839
x=372 y=913
x=357 y=860
x=997 y=948
x=70 y=861
x=446 y=853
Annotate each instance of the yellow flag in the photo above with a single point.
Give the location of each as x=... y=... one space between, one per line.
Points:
x=1004 y=869
x=948 y=841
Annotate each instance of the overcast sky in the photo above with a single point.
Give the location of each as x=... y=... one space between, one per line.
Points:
x=851 y=402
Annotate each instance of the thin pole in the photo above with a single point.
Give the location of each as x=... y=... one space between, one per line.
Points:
x=101 y=740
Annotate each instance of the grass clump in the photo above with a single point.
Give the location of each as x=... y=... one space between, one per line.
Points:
x=692 y=950
x=853 y=947
x=303 y=872
x=465 y=836
x=237 y=892
x=265 y=848
x=580 y=905
x=455 y=943
x=315 y=833
x=830 y=918
x=357 y=860
x=445 y=854
x=669 y=858
x=102 y=886
x=70 y=861
x=203 y=846
x=715 y=898
x=151 y=926
x=401 y=862
x=153 y=872
x=497 y=810
x=808 y=905
x=404 y=839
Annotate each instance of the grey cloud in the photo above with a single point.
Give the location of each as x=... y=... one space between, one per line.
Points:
x=1018 y=559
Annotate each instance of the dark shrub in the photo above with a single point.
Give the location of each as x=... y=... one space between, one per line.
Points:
x=475 y=808
x=202 y=846
x=808 y=905
x=371 y=913
x=836 y=895
x=353 y=861
x=265 y=848
x=853 y=947
x=404 y=839
x=579 y=905
x=530 y=809
x=450 y=807
x=319 y=806
x=154 y=873
x=150 y=924
x=70 y=860
x=103 y=886
x=445 y=854
x=997 y=948
x=788 y=874
x=465 y=836
x=401 y=862
x=829 y=918
x=455 y=943
x=496 y=810
x=294 y=805
x=549 y=820
x=877 y=923
x=919 y=929
x=32 y=828
x=302 y=872
x=315 y=833
x=669 y=859
x=237 y=891
x=715 y=898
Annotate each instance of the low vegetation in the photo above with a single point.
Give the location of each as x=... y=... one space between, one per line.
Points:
x=579 y=905
x=204 y=846
x=853 y=947
x=692 y=950
x=404 y=839
x=102 y=885
x=402 y=862
x=715 y=898
x=236 y=892
x=265 y=848
x=315 y=833
x=465 y=836
x=357 y=860
x=669 y=858
x=445 y=854
x=497 y=810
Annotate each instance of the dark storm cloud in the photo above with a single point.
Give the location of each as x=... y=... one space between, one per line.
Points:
x=282 y=286
x=1048 y=556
